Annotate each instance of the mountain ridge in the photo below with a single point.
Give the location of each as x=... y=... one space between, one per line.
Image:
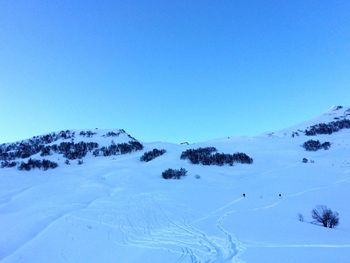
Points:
x=108 y=142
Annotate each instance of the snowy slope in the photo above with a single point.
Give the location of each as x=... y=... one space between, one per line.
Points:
x=118 y=209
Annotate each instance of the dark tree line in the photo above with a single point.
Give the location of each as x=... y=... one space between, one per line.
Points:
x=21 y=150
x=45 y=151
x=69 y=150
x=210 y=156
x=116 y=149
x=27 y=148
x=45 y=146
x=73 y=151
x=315 y=145
x=199 y=155
x=113 y=134
x=8 y=164
x=39 y=144
x=328 y=128
x=174 y=173
x=39 y=164
x=149 y=156
x=88 y=134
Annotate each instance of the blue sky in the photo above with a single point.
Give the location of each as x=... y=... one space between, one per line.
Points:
x=170 y=70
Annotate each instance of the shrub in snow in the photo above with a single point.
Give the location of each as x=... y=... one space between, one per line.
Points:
x=8 y=164
x=325 y=216
x=328 y=128
x=40 y=164
x=88 y=134
x=121 y=148
x=305 y=160
x=45 y=151
x=315 y=145
x=149 y=156
x=209 y=156
x=295 y=134
x=73 y=151
x=113 y=134
x=174 y=174
x=27 y=148
x=80 y=162
x=129 y=147
x=44 y=146
x=300 y=217
x=96 y=152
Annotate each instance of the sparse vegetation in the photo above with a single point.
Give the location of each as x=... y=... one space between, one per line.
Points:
x=39 y=164
x=115 y=149
x=8 y=164
x=88 y=134
x=27 y=148
x=328 y=128
x=294 y=134
x=315 y=145
x=300 y=217
x=44 y=146
x=174 y=174
x=149 y=156
x=209 y=156
x=72 y=151
x=325 y=216
x=113 y=134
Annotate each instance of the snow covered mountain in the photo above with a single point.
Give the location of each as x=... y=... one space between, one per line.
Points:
x=99 y=196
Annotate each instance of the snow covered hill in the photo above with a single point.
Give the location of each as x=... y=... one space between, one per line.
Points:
x=101 y=203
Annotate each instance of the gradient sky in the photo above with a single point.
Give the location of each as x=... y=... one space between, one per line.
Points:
x=170 y=70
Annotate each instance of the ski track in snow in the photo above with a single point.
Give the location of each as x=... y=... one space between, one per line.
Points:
x=158 y=229
x=190 y=241
x=176 y=236
x=154 y=221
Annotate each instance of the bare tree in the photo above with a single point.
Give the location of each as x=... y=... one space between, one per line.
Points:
x=325 y=216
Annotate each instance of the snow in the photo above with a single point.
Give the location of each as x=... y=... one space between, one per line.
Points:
x=118 y=209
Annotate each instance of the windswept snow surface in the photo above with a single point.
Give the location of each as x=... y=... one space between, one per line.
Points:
x=118 y=209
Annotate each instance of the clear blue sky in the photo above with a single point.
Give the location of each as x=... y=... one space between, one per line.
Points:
x=170 y=70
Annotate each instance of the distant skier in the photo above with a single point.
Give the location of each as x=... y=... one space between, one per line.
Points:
x=279 y=195
x=243 y=194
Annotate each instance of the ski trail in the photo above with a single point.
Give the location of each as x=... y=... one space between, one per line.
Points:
x=235 y=247
x=220 y=209
x=146 y=223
